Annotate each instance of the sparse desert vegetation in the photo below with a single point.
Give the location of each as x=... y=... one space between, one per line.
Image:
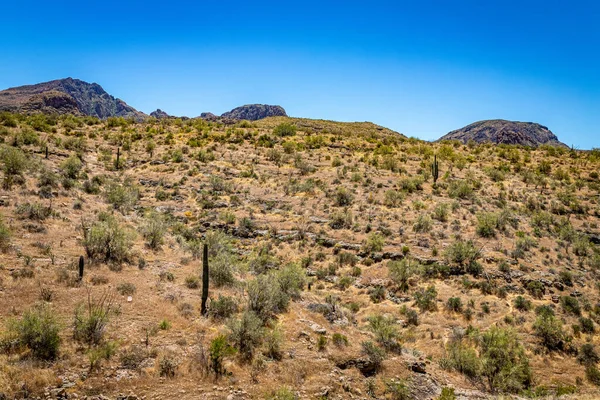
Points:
x=341 y=262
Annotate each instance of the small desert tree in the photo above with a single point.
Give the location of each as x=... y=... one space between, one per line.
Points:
x=14 y=163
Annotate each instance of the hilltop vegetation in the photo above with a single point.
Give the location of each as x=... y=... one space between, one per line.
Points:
x=342 y=262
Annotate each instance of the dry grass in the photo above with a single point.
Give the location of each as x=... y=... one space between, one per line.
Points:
x=289 y=212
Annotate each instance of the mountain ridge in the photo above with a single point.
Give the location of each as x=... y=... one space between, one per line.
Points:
x=90 y=99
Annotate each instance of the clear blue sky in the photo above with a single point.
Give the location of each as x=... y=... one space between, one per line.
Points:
x=422 y=68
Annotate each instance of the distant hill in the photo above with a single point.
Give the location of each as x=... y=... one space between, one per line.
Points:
x=63 y=96
x=159 y=114
x=506 y=132
x=254 y=112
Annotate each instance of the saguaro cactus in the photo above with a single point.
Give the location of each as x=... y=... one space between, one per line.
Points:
x=118 y=157
x=204 y=279
x=81 y=265
x=434 y=170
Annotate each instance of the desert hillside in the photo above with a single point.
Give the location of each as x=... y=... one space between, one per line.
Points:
x=345 y=261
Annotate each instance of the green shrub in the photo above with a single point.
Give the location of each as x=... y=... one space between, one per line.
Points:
x=412 y=317
x=460 y=189
x=219 y=349
x=37 y=331
x=14 y=163
x=386 y=332
x=33 y=211
x=341 y=219
x=462 y=253
x=375 y=243
x=346 y=258
x=447 y=394
x=285 y=129
x=107 y=241
x=71 y=167
x=344 y=282
x=104 y=352
x=377 y=293
x=570 y=305
x=462 y=357
x=343 y=197
x=322 y=343
x=375 y=354
x=154 y=229
x=339 y=340
x=192 y=282
x=393 y=198
x=536 y=289
x=126 y=288
x=411 y=185
x=246 y=333
x=423 y=224
x=425 y=299
x=273 y=341
x=92 y=318
x=167 y=365
x=223 y=307
x=504 y=362
x=283 y=393
x=164 y=325
x=266 y=298
x=440 y=213
x=454 y=304
x=400 y=272
x=122 y=196
x=593 y=374
x=262 y=261
x=487 y=224
x=397 y=390
x=522 y=304
x=587 y=325
x=550 y=330
x=5 y=235
x=588 y=355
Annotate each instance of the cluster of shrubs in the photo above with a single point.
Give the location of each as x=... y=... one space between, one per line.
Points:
x=495 y=357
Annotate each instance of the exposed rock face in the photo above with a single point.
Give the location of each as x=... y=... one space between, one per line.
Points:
x=89 y=98
x=506 y=132
x=254 y=112
x=209 y=116
x=52 y=101
x=159 y=114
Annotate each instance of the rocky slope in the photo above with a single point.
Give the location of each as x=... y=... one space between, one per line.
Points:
x=506 y=132
x=254 y=112
x=63 y=96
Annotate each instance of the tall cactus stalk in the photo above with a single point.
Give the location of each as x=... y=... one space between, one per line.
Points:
x=118 y=157
x=434 y=170
x=204 y=279
x=81 y=265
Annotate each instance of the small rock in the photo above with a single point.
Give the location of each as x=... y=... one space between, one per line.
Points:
x=418 y=366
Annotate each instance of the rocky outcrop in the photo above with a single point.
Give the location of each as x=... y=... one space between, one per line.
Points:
x=67 y=96
x=505 y=132
x=254 y=112
x=50 y=102
x=209 y=116
x=159 y=114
